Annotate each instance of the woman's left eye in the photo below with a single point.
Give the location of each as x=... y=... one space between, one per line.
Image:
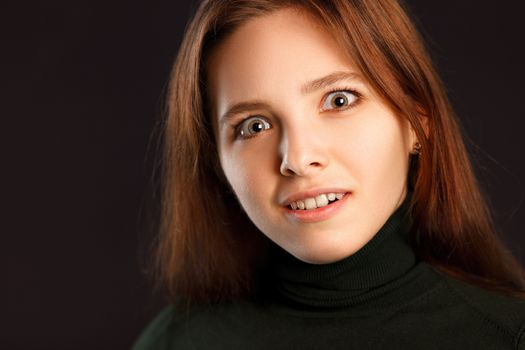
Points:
x=339 y=100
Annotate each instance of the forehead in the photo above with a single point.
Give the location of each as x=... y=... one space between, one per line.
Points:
x=281 y=50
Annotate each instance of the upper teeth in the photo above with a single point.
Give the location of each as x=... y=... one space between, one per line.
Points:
x=316 y=202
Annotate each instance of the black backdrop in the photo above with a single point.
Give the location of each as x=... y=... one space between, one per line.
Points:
x=82 y=88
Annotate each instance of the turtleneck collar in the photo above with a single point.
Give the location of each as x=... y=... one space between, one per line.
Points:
x=385 y=258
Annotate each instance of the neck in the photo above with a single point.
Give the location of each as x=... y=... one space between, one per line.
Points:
x=385 y=258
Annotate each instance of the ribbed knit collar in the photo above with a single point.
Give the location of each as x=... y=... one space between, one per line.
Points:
x=357 y=278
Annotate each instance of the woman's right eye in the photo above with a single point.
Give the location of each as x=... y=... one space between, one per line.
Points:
x=252 y=126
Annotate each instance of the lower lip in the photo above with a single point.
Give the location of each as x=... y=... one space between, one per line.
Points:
x=318 y=214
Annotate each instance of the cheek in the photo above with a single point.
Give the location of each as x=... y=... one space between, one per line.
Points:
x=247 y=171
x=235 y=172
x=374 y=149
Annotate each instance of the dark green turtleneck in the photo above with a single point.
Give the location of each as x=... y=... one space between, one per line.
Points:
x=381 y=297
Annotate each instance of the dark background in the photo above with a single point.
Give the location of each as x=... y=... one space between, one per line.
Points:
x=82 y=91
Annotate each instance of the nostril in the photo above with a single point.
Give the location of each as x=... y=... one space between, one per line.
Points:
x=301 y=165
x=287 y=172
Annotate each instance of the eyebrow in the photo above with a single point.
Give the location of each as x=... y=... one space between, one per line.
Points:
x=306 y=88
x=241 y=108
x=328 y=80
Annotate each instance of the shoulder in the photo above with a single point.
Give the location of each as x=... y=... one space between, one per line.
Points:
x=178 y=326
x=155 y=334
x=505 y=313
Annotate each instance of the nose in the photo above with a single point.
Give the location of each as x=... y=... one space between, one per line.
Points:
x=302 y=151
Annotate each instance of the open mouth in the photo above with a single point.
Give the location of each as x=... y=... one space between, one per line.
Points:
x=316 y=202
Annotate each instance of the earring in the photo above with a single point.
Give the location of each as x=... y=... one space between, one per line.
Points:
x=417 y=148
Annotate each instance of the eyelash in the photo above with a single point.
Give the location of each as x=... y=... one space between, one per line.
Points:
x=358 y=97
x=357 y=94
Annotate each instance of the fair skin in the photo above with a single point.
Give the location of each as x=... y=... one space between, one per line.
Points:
x=296 y=125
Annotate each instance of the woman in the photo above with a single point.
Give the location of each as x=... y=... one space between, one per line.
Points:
x=318 y=193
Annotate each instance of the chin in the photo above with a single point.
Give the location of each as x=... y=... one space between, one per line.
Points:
x=326 y=246
x=326 y=255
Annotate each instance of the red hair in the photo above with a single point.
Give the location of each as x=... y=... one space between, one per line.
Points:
x=209 y=250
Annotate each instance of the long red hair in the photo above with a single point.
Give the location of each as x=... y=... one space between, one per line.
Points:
x=207 y=247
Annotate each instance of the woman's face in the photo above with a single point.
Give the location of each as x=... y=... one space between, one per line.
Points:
x=316 y=159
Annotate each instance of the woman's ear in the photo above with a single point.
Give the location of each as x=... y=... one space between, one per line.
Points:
x=415 y=142
x=414 y=146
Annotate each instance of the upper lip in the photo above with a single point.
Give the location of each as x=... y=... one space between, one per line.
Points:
x=310 y=194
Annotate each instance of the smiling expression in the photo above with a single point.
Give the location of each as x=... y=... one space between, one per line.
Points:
x=316 y=159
